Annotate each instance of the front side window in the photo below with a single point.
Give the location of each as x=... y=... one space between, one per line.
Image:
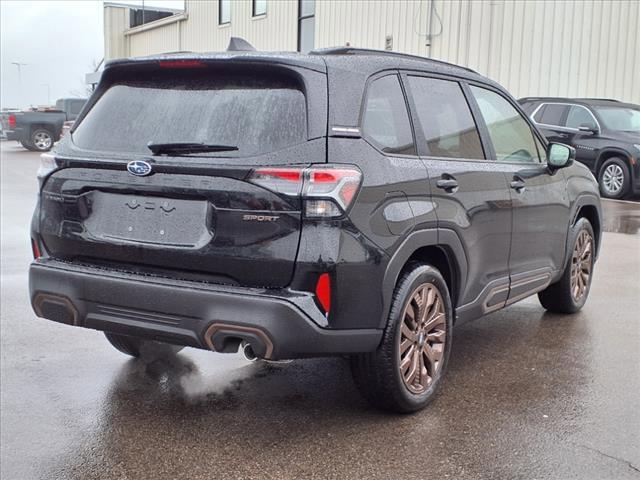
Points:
x=259 y=7
x=620 y=119
x=580 y=116
x=510 y=133
x=224 y=12
x=445 y=118
x=550 y=114
x=385 y=121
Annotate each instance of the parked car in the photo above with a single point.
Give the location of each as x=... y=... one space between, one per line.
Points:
x=605 y=134
x=38 y=130
x=345 y=202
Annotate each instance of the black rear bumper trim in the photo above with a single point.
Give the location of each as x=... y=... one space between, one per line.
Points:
x=187 y=313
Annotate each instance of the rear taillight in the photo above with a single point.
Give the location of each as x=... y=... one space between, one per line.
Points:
x=327 y=191
x=12 y=121
x=35 y=248
x=47 y=165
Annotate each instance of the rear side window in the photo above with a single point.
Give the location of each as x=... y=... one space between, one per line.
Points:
x=258 y=115
x=550 y=114
x=510 y=133
x=446 y=119
x=385 y=121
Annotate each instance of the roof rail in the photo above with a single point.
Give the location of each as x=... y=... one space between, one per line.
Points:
x=600 y=99
x=371 y=51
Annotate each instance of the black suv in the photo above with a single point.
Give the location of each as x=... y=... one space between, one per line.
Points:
x=605 y=134
x=345 y=202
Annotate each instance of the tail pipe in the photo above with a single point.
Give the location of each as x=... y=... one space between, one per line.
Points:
x=227 y=338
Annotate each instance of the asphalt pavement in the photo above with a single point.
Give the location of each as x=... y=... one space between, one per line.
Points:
x=528 y=394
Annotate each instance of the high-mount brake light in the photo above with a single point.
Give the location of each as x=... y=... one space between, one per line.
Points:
x=181 y=64
x=327 y=191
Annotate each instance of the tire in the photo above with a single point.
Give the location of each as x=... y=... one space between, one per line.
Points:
x=378 y=374
x=41 y=140
x=29 y=147
x=614 y=178
x=567 y=295
x=136 y=347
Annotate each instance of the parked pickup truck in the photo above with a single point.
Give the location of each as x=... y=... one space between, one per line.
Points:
x=38 y=130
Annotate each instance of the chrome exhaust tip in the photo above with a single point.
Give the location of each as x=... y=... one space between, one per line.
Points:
x=248 y=352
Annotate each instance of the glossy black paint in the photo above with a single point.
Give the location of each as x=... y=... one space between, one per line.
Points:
x=593 y=148
x=494 y=244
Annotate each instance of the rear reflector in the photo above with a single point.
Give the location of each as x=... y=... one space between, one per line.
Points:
x=323 y=291
x=181 y=63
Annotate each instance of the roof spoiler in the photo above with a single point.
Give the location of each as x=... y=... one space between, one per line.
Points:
x=237 y=44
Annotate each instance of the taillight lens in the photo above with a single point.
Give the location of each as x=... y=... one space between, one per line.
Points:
x=12 y=121
x=327 y=192
x=35 y=248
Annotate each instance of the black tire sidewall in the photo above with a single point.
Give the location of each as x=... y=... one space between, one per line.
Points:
x=581 y=224
x=33 y=144
x=626 y=183
x=419 y=275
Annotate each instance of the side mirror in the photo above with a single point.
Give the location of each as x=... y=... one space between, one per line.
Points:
x=588 y=128
x=560 y=155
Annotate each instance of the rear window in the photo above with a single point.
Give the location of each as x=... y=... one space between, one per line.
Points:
x=257 y=115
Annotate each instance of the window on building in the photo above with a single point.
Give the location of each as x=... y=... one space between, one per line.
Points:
x=550 y=114
x=385 y=121
x=259 y=7
x=579 y=116
x=446 y=119
x=224 y=12
x=510 y=133
x=306 y=25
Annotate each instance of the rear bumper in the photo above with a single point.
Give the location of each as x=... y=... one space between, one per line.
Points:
x=278 y=324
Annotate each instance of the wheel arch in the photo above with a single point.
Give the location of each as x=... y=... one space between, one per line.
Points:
x=440 y=248
x=611 y=152
x=587 y=206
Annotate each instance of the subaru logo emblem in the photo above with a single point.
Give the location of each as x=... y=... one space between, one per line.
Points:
x=139 y=168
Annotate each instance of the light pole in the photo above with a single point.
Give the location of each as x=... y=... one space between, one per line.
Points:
x=19 y=65
x=48 y=92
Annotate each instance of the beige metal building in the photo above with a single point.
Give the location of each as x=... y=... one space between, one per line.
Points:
x=577 y=48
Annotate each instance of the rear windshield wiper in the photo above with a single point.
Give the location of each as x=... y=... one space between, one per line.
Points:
x=184 y=148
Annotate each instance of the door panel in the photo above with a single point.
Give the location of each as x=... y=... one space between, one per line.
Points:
x=538 y=196
x=470 y=194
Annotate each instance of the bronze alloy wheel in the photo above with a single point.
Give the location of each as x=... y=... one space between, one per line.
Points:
x=581 y=264
x=422 y=338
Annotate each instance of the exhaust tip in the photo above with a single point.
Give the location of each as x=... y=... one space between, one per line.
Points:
x=247 y=351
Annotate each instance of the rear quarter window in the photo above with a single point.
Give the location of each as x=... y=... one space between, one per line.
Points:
x=256 y=115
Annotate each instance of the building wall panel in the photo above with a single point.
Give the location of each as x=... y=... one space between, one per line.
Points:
x=553 y=48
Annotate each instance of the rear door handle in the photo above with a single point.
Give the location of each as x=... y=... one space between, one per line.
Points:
x=447 y=184
x=518 y=185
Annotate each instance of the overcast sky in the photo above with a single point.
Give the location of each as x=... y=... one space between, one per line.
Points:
x=58 y=40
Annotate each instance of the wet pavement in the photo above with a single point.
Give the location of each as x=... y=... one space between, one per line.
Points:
x=528 y=394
